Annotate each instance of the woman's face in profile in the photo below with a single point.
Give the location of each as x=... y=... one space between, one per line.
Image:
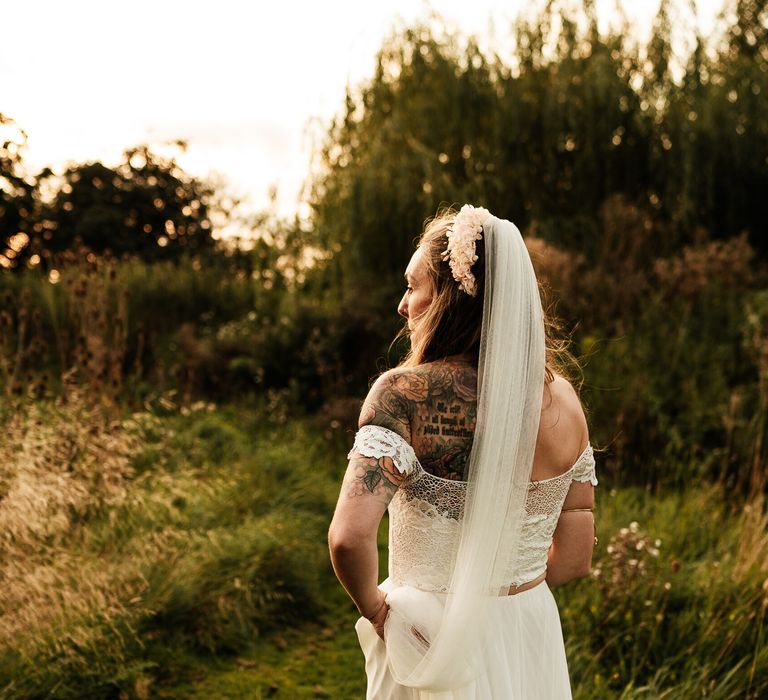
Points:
x=418 y=294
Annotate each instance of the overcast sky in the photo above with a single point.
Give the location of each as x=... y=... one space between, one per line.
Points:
x=239 y=80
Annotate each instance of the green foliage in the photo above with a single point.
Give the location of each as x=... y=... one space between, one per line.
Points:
x=546 y=138
x=266 y=576
x=674 y=609
x=592 y=149
x=17 y=192
x=145 y=206
x=678 y=379
x=223 y=332
x=204 y=550
x=211 y=571
x=675 y=606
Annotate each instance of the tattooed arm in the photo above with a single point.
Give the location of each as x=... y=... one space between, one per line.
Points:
x=366 y=491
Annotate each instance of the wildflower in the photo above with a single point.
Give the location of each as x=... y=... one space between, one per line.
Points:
x=633 y=526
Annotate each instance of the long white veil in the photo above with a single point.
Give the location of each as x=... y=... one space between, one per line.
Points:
x=510 y=385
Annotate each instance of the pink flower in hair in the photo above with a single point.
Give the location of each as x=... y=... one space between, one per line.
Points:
x=467 y=228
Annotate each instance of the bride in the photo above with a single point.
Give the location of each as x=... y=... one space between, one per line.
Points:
x=480 y=452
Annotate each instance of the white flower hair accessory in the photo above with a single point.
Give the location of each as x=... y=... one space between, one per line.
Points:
x=466 y=228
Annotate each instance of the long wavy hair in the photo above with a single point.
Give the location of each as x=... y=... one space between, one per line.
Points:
x=451 y=324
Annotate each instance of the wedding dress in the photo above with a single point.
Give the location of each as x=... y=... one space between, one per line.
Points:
x=525 y=656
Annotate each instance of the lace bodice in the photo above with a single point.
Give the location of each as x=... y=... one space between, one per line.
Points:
x=425 y=512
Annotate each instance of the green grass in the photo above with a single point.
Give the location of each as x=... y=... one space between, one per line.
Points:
x=319 y=659
x=210 y=579
x=307 y=661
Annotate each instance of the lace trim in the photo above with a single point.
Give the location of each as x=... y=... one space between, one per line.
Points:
x=584 y=468
x=378 y=441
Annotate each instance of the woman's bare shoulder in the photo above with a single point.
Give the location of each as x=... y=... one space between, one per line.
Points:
x=564 y=406
x=423 y=386
x=434 y=373
x=404 y=381
x=392 y=397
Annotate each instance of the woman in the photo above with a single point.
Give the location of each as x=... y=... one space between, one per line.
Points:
x=481 y=453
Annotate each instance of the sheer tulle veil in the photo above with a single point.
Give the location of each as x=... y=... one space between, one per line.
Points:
x=437 y=642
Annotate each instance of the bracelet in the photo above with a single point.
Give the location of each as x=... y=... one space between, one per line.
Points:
x=378 y=610
x=575 y=509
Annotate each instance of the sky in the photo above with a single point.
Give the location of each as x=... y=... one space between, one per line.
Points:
x=249 y=85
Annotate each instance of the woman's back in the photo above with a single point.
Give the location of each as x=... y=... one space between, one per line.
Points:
x=442 y=403
x=443 y=416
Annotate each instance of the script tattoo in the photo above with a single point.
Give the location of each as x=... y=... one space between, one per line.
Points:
x=434 y=407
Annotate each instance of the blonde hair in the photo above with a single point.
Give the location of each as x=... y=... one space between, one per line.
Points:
x=451 y=323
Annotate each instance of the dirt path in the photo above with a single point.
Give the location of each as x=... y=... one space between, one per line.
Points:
x=317 y=661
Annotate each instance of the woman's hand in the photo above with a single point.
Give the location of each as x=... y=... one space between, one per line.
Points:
x=380 y=615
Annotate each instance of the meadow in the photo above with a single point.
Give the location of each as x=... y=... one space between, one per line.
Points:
x=180 y=552
x=165 y=529
x=175 y=410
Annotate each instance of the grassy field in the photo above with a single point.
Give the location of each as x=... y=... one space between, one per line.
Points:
x=181 y=554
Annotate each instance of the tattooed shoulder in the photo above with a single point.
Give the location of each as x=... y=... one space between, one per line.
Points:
x=390 y=401
x=434 y=407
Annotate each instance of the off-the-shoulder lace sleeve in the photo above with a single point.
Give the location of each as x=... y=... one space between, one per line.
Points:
x=377 y=441
x=584 y=469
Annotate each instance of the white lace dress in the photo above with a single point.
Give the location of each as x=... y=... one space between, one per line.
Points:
x=526 y=660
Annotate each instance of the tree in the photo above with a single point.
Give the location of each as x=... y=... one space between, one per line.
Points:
x=443 y=122
x=574 y=119
x=17 y=194
x=145 y=206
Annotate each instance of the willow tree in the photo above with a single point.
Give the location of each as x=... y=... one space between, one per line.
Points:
x=418 y=133
x=548 y=136
x=708 y=155
x=441 y=122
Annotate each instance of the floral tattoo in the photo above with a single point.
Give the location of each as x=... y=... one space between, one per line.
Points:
x=372 y=476
x=434 y=408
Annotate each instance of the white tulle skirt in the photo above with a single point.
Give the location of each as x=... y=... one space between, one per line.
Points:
x=525 y=661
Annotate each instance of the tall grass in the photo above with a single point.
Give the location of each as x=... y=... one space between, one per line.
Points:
x=677 y=603
x=134 y=549
x=128 y=540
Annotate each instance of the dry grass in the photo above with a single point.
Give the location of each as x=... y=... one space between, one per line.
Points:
x=125 y=541
x=59 y=466
x=54 y=473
